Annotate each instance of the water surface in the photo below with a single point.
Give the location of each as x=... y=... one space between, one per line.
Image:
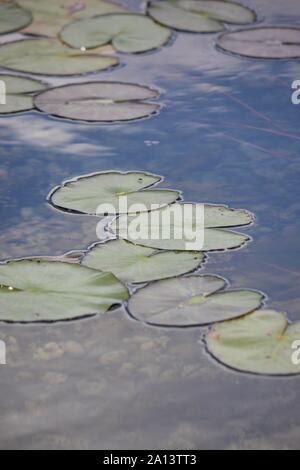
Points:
x=227 y=133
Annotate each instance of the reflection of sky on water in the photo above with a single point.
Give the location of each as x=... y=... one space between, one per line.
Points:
x=227 y=133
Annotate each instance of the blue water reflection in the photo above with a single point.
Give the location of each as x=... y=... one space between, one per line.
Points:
x=227 y=133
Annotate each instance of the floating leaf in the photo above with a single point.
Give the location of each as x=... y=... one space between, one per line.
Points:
x=191 y=301
x=224 y=216
x=263 y=43
x=127 y=32
x=260 y=343
x=69 y=257
x=13 y=18
x=98 y=101
x=85 y=194
x=134 y=264
x=50 y=57
x=177 y=227
x=51 y=15
x=16 y=84
x=199 y=16
x=32 y=290
x=17 y=88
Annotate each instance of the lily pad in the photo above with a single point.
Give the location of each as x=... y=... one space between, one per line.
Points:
x=263 y=43
x=99 y=101
x=191 y=301
x=17 y=93
x=136 y=264
x=260 y=343
x=32 y=290
x=199 y=16
x=13 y=18
x=50 y=57
x=51 y=15
x=131 y=33
x=177 y=228
x=99 y=194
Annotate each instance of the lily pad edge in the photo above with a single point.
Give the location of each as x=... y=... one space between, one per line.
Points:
x=168 y=41
x=49 y=197
x=249 y=57
x=208 y=326
x=97 y=123
x=140 y=285
x=256 y=20
x=29 y=37
x=72 y=319
x=227 y=367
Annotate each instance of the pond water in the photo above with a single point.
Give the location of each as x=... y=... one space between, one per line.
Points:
x=227 y=133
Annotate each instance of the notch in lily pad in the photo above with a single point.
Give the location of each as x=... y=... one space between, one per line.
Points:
x=260 y=343
x=191 y=301
x=199 y=16
x=127 y=32
x=13 y=18
x=177 y=227
x=51 y=57
x=268 y=42
x=136 y=264
x=99 y=194
x=105 y=102
x=48 y=291
x=18 y=93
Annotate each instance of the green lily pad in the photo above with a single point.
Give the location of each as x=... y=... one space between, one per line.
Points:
x=17 y=93
x=263 y=43
x=131 y=33
x=33 y=290
x=178 y=231
x=15 y=84
x=13 y=18
x=260 y=343
x=50 y=57
x=85 y=194
x=51 y=15
x=99 y=101
x=135 y=264
x=199 y=16
x=191 y=301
